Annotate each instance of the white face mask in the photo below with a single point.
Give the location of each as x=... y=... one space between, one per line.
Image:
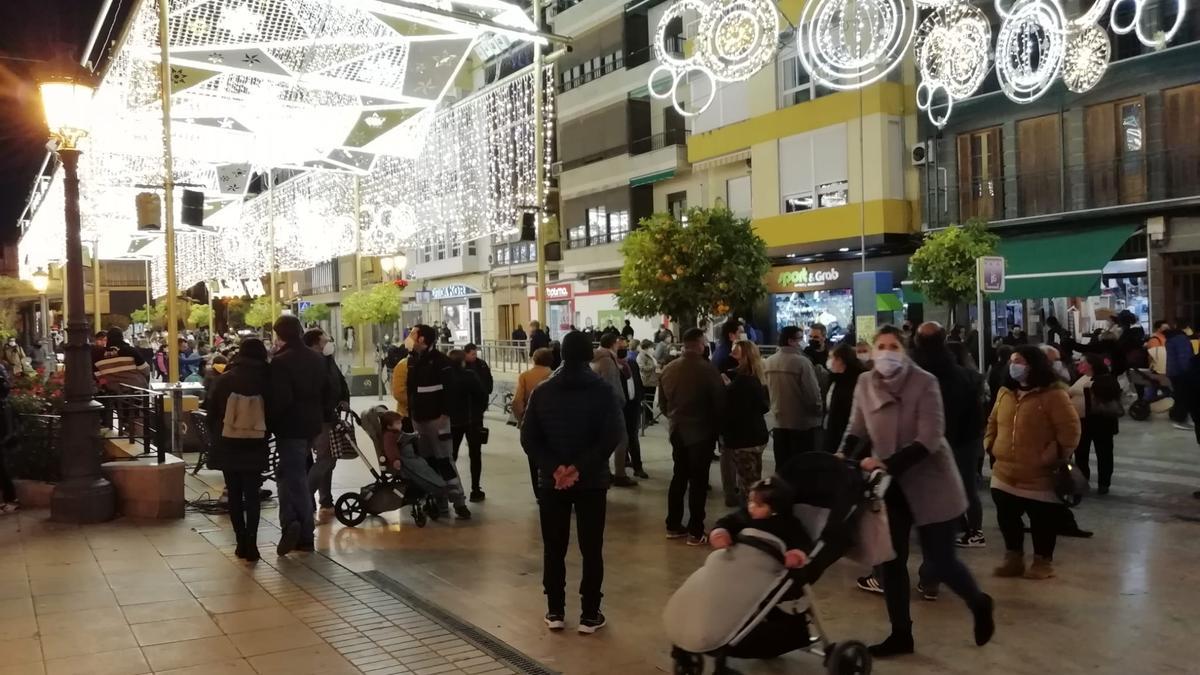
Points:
x=328 y=349
x=863 y=357
x=889 y=363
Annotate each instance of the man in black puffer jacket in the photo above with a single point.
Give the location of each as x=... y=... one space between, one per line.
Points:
x=430 y=384
x=570 y=429
x=299 y=397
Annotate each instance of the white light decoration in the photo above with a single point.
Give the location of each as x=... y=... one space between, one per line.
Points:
x=1030 y=48
x=735 y=39
x=848 y=44
x=1086 y=59
x=1157 y=40
x=952 y=48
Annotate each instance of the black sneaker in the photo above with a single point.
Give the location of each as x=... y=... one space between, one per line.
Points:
x=461 y=512
x=477 y=496
x=929 y=593
x=694 y=540
x=591 y=624
x=894 y=645
x=971 y=540
x=870 y=584
x=555 y=621
x=288 y=539
x=641 y=474
x=985 y=620
x=676 y=534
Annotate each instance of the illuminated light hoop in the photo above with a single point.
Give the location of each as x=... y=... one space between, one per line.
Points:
x=952 y=49
x=1092 y=16
x=736 y=40
x=827 y=57
x=1087 y=56
x=1030 y=21
x=925 y=94
x=1135 y=25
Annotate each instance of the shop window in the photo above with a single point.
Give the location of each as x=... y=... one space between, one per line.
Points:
x=1114 y=149
x=1039 y=165
x=797 y=202
x=980 y=175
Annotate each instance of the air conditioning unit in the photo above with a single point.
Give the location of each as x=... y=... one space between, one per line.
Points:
x=919 y=154
x=556 y=169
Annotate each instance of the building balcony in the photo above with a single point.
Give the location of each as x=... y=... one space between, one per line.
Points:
x=1141 y=183
x=622 y=73
x=446 y=267
x=576 y=17
x=621 y=165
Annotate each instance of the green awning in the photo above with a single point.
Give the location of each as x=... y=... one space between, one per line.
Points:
x=888 y=302
x=1052 y=265
x=652 y=178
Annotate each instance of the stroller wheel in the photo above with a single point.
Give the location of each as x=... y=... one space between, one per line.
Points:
x=350 y=510
x=1139 y=410
x=687 y=663
x=849 y=658
x=431 y=508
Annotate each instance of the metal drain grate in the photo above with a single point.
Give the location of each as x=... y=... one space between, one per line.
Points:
x=486 y=643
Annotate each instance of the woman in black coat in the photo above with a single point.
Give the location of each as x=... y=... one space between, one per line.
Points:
x=744 y=426
x=237 y=424
x=845 y=367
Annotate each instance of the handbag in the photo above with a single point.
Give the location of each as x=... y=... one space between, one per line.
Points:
x=1069 y=484
x=1104 y=407
x=484 y=435
x=341 y=441
x=872 y=540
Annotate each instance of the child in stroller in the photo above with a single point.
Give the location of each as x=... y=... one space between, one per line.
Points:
x=403 y=478
x=747 y=601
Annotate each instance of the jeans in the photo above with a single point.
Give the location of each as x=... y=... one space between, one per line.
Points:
x=474 y=435
x=633 y=416
x=941 y=564
x=690 y=476
x=1044 y=522
x=320 y=474
x=791 y=442
x=1102 y=438
x=555 y=511
x=295 y=500
x=967 y=458
x=244 y=504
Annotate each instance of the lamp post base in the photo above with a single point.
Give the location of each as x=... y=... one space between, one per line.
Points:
x=83 y=500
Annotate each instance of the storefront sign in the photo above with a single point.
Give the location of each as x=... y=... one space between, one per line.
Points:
x=560 y=292
x=991 y=274
x=453 y=291
x=807 y=278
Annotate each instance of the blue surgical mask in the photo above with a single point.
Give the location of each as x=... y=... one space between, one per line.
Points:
x=1018 y=372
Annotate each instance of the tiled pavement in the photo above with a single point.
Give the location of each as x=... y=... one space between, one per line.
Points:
x=127 y=598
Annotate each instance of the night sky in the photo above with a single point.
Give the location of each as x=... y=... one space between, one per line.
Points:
x=31 y=29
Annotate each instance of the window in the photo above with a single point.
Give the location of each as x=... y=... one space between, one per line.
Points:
x=427 y=252
x=578 y=236
x=797 y=202
x=833 y=194
x=677 y=205
x=618 y=225
x=1039 y=165
x=813 y=170
x=439 y=247
x=597 y=226
x=1114 y=150
x=980 y=175
x=455 y=248
x=795 y=84
x=738 y=196
x=501 y=254
x=471 y=250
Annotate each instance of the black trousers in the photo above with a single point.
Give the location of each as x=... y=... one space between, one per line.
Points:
x=554 y=507
x=1094 y=435
x=1181 y=393
x=941 y=564
x=633 y=418
x=790 y=442
x=967 y=458
x=1044 y=522
x=243 y=487
x=8 y=492
x=473 y=434
x=689 y=477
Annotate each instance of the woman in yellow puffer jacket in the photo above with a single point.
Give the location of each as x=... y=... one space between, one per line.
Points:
x=1032 y=430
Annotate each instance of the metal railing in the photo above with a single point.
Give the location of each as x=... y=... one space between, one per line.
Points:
x=137 y=416
x=635 y=147
x=512 y=356
x=1135 y=178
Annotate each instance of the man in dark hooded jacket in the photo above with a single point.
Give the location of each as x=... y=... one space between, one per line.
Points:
x=570 y=429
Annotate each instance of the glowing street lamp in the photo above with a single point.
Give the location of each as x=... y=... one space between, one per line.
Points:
x=84 y=495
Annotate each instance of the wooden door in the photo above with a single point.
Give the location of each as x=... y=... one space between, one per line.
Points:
x=1039 y=165
x=980 y=175
x=1100 y=155
x=1131 y=149
x=1181 y=119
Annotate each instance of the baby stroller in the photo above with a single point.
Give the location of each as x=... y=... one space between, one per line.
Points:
x=403 y=478
x=1152 y=389
x=743 y=603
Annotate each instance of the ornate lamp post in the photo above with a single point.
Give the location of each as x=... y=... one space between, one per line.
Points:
x=83 y=495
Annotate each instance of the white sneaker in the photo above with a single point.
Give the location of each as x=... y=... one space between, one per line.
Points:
x=1183 y=426
x=971 y=540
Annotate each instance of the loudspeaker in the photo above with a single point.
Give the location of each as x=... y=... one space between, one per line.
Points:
x=554 y=251
x=192 y=212
x=149 y=211
x=528 y=226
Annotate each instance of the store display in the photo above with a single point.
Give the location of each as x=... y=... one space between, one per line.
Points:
x=833 y=308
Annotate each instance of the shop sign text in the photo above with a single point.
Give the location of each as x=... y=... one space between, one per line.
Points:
x=803 y=278
x=453 y=291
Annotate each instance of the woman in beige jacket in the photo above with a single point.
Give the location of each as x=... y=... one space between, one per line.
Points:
x=898 y=407
x=1032 y=430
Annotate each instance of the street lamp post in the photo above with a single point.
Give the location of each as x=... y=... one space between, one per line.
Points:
x=41 y=282
x=83 y=495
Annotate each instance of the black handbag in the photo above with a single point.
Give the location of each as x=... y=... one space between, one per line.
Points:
x=484 y=434
x=1069 y=484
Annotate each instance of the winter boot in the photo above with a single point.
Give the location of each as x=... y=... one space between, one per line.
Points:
x=1014 y=565
x=1041 y=568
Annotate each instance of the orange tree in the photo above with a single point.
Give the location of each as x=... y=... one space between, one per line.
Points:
x=706 y=266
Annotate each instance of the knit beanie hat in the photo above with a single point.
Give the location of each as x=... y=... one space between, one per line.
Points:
x=576 y=348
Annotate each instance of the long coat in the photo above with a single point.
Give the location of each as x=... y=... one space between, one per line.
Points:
x=932 y=486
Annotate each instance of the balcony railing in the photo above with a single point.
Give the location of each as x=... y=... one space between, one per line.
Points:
x=611 y=62
x=637 y=147
x=1136 y=178
x=596 y=239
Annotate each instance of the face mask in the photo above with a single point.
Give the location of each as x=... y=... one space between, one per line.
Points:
x=889 y=363
x=863 y=357
x=328 y=349
x=1018 y=372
